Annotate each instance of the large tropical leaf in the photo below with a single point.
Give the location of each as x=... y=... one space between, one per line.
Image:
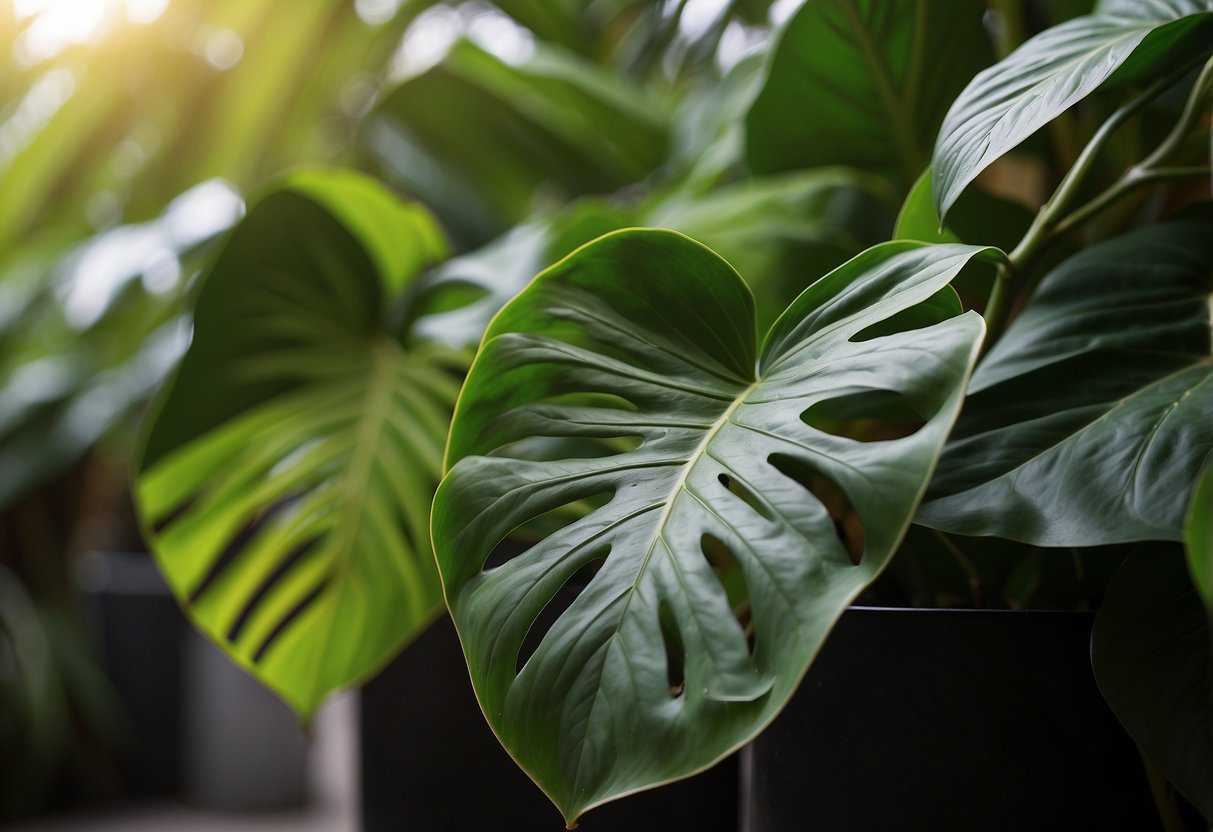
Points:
x=481 y=141
x=1054 y=70
x=286 y=474
x=1088 y=422
x=864 y=83
x=746 y=493
x=1153 y=659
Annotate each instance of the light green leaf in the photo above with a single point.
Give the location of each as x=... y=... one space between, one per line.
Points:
x=1198 y=537
x=864 y=83
x=732 y=496
x=1088 y=421
x=1052 y=72
x=1151 y=651
x=286 y=475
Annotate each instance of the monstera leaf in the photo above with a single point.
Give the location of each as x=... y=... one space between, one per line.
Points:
x=864 y=83
x=1052 y=72
x=286 y=474
x=744 y=496
x=1151 y=650
x=1088 y=421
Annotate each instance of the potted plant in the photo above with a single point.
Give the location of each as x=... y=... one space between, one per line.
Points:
x=746 y=491
x=703 y=505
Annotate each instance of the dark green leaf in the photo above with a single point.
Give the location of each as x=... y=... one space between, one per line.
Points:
x=1052 y=72
x=1088 y=422
x=646 y=335
x=864 y=83
x=1153 y=657
x=286 y=475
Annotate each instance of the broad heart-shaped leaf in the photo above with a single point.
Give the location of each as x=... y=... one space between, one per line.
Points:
x=1152 y=650
x=864 y=83
x=1088 y=422
x=286 y=474
x=645 y=334
x=1198 y=538
x=1052 y=72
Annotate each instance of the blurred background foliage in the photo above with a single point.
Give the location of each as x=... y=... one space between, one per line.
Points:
x=133 y=131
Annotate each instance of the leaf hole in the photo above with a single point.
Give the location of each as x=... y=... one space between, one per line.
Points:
x=939 y=307
x=240 y=541
x=866 y=416
x=525 y=535
x=296 y=611
x=734 y=487
x=556 y=607
x=732 y=580
x=675 y=650
x=845 y=519
x=288 y=562
x=560 y=448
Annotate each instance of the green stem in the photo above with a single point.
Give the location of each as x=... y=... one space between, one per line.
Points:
x=1133 y=179
x=1164 y=800
x=966 y=566
x=1051 y=212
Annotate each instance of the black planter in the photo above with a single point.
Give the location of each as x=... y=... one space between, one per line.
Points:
x=948 y=720
x=139 y=634
x=430 y=763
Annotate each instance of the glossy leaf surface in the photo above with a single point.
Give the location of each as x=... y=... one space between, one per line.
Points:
x=743 y=492
x=864 y=83
x=1153 y=657
x=286 y=475
x=1088 y=422
x=1052 y=72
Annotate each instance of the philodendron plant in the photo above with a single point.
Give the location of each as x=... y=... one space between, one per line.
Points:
x=735 y=491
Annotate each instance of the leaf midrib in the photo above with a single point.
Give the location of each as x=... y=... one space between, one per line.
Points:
x=909 y=151
x=679 y=485
x=384 y=356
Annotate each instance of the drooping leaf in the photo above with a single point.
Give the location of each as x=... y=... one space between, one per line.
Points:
x=286 y=474
x=554 y=127
x=1198 y=538
x=864 y=83
x=1153 y=658
x=1052 y=72
x=742 y=476
x=1088 y=422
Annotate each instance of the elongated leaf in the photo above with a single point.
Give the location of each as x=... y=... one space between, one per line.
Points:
x=1153 y=659
x=1198 y=537
x=732 y=495
x=1052 y=72
x=864 y=83
x=1088 y=422
x=286 y=476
